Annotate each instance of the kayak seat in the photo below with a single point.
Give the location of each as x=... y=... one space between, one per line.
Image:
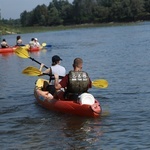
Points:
x=41 y=84
x=45 y=85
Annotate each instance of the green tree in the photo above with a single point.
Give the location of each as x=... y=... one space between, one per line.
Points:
x=24 y=18
x=66 y=14
x=137 y=8
x=101 y=14
x=147 y=5
x=40 y=15
x=54 y=18
x=83 y=11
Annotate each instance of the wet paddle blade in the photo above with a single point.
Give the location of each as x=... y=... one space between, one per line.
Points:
x=44 y=44
x=22 y=52
x=100 y=83
x=32 y=71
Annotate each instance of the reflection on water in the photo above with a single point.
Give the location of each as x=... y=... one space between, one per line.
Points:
x=6 y=55
x=118 y=54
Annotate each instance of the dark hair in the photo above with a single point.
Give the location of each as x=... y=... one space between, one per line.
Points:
x=18 y=37
x=55 y=59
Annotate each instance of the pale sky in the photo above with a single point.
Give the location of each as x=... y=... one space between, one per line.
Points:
x=13 y=8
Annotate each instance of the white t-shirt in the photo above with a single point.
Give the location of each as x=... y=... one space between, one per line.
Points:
x=32 y=44
x=3 y=43
x=19 y=41
x=37 y=44
x=58 y=69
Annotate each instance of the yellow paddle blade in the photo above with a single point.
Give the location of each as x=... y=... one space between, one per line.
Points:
x=100 y=83
x=22 y=52
x=32 y=71
x=44 y=44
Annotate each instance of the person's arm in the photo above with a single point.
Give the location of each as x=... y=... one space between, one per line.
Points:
x=56 y=82
x=41 y=67
x=38 y=44
x=62 y=84
x=47 y=71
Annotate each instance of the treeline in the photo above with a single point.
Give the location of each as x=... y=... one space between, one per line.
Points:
x=61 y=12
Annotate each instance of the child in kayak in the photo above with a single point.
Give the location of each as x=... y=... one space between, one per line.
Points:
x=4 y=44
x=19 y=41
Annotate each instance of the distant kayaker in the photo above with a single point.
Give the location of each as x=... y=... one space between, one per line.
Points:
x=4 y=44
x=37 y=44
x=19 y=41
x=55 y=68
x=75 y=82
x=32 y=43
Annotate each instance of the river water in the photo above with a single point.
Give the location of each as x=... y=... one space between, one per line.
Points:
x=119 y=54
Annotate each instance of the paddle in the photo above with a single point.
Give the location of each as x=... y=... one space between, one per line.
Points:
x=33 y=71
x=23 y=53
x=100 y=83
x=45 y=45
x=48 y=46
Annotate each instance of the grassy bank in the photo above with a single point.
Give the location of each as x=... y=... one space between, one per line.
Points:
x=18 y=30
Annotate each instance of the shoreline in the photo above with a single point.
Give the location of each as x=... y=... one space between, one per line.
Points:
x=33 y=29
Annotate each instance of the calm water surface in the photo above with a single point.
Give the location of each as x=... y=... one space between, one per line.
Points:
x=119 y=54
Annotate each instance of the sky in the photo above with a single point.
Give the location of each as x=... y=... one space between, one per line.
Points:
x=13 y=8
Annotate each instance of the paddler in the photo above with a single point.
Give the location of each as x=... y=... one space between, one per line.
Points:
x=4 y=44
x=75 y=82
x=55 y=68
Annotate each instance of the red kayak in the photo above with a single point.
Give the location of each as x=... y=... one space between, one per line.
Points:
x=8 y=49
x=86 y=105
x=12 y=49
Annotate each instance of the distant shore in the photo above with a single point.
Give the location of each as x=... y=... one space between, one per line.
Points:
x=22 y=30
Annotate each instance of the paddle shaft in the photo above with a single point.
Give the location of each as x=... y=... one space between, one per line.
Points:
x=22 y=52
x=48 y=46
x=37 y=62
